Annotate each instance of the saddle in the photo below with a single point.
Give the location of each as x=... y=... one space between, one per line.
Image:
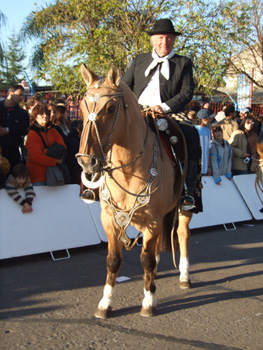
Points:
x=171 y=136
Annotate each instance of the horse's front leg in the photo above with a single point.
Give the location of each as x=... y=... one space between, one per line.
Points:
x=183 y=233
x=114 y=260
x=148 y=262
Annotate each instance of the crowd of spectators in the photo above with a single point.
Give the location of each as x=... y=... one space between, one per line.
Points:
x=228 y=140
x=33 y=136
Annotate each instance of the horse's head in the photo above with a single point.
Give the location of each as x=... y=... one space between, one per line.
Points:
x=103 y=118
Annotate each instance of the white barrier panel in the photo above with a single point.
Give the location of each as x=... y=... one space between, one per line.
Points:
x=60 y=220
x=95 y=212
x=221 y=204
x=246 y=187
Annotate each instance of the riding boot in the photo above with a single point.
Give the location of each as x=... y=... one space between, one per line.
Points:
x=188 y=199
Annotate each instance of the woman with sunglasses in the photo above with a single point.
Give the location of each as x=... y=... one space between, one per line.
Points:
x=39 y=139
x=243 y=142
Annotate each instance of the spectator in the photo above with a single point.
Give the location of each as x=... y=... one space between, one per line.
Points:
x=60 y=121
x=14 y=122
x=192 y=115
x=51 y=108
x=73 y=148
x=220 y=116
x=236 y=117
x=205 y=139
x=228 y=125
x=40 y=155
x=257 y=124
x=18 y=179
x=207 y=106
x=220 y=155
x=4 y=169
x=31 y=102
x=244 y=112
x=243 y=142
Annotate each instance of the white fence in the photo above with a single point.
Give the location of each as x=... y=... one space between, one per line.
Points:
x=60 y=220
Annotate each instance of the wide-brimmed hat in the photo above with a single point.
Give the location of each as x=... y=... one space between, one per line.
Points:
x=163 y=26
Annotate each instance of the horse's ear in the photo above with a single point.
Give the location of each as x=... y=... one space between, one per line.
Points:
x=88 y=76
x=114 y=76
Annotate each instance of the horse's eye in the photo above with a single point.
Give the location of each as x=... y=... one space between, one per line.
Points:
x=111 y=109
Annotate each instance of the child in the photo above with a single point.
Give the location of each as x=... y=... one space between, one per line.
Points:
x=205 y=138
x=220 y=155
x=19 y=178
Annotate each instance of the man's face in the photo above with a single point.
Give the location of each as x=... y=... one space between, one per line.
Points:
x=16 y=96
x=163 y=43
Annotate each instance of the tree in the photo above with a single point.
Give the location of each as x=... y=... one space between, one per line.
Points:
x=100 y=33
x=248 y=58
x=2 y=22
x=12 y=67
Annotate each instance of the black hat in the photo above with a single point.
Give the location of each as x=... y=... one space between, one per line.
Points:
x=163 y=26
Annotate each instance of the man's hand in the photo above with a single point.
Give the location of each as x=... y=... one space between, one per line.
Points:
x=157 y=109
x=3 y=131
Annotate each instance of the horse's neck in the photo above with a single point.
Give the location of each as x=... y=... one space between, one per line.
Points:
x=136 y=143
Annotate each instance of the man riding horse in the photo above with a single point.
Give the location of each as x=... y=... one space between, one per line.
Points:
x=163 y=82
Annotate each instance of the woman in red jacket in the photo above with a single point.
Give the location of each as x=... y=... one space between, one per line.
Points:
x=37 y=158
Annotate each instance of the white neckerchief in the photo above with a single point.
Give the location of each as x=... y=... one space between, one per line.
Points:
x=165 y=69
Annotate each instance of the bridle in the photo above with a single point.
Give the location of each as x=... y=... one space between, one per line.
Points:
x=91 y=121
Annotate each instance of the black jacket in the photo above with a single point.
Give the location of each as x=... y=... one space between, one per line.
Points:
x=17 y=120
x=175 y=92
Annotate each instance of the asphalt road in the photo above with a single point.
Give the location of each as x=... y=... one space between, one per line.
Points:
x=50 y=305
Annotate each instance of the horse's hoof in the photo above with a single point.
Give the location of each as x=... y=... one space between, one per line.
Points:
x=102 y=313
x=148 y=311
x=185 y=285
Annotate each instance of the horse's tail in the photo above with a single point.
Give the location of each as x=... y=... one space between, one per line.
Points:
x=169 y=227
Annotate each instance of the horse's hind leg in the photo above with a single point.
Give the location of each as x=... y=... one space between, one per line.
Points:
x=148 y=262
x=183 y=233
x=114 y=260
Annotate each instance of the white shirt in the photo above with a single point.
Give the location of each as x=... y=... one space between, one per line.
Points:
x=151 y=94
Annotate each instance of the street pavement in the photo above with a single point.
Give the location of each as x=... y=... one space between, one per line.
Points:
x=46 y=304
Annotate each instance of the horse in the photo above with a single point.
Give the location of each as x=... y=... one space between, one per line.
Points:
x=140 y=186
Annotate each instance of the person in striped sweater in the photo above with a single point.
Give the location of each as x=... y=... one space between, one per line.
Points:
x=19 y=179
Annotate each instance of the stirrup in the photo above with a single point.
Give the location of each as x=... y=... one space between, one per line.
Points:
x=187 y=203
x=88 y=196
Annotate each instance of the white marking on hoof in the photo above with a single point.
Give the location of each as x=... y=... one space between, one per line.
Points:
x=149 y=300
x=106 y=301
x=149 y=312
x=184 y=270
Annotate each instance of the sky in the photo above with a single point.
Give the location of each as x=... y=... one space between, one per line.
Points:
x=16 y=11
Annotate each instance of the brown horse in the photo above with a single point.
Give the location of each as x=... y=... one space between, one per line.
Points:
x=140 y=186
